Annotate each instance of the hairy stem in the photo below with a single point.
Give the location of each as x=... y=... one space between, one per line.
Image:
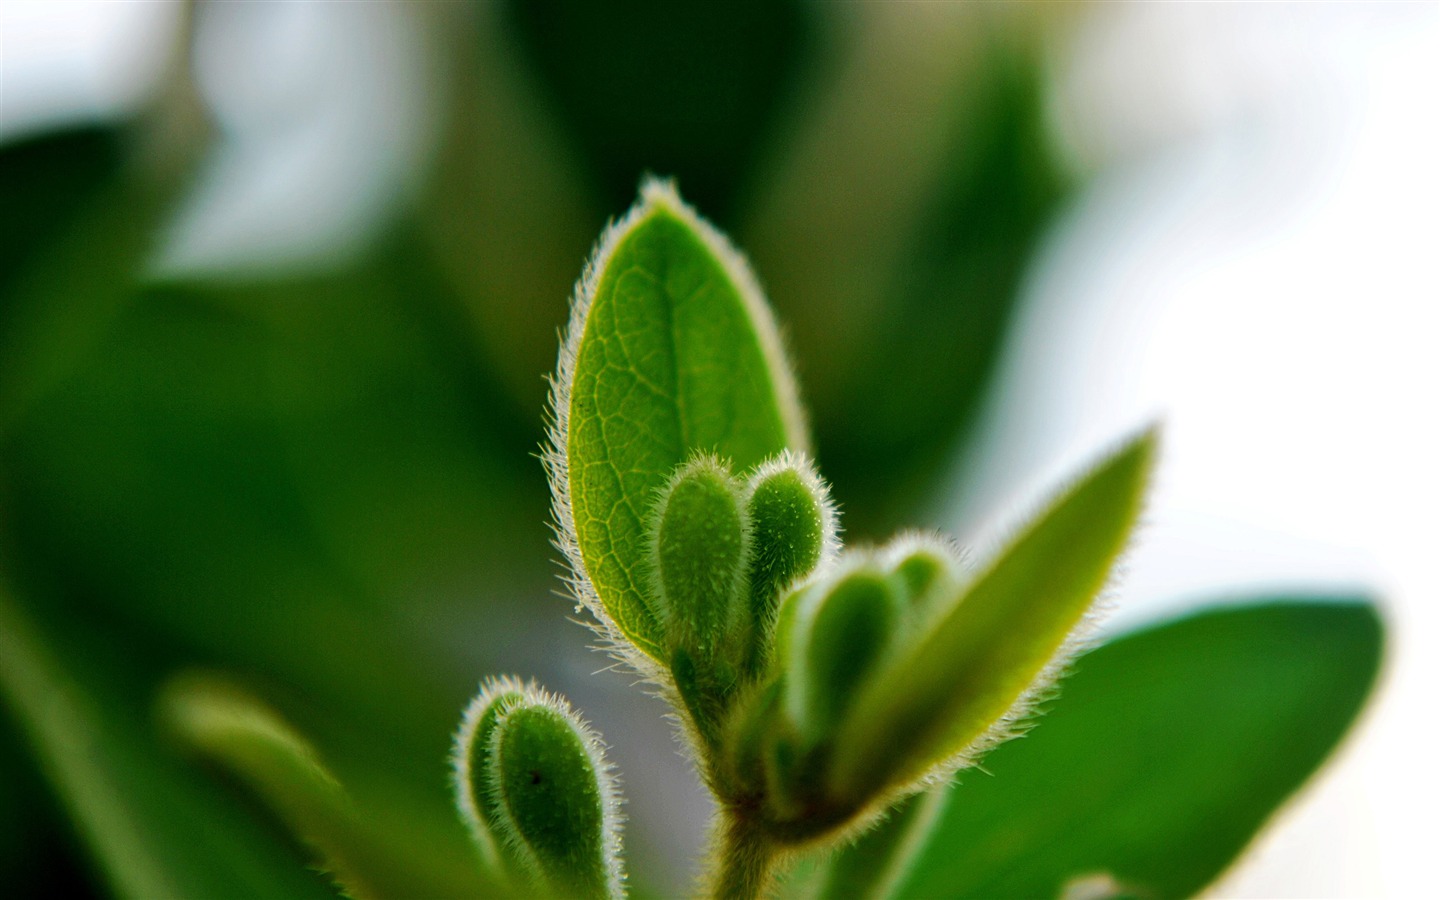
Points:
x=744 y=863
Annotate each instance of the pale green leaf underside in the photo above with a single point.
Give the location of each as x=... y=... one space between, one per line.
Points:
x=985 y=655
x=675 y=354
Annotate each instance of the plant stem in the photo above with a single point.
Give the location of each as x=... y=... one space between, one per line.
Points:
x=746 y=858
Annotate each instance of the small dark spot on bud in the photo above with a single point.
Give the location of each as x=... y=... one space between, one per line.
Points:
x=534 y=776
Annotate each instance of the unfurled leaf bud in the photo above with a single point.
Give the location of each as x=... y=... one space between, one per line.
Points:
x=839 y=631
x=749 y=736
x=793 y=528
x=926 y=568
x=534 y=788
x=701 y=545
x=470 y=758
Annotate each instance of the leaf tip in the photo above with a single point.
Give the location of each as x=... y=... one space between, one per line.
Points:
x=516 y=733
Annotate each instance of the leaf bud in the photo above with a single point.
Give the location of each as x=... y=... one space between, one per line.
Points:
x=793 y=528
x=701 y=542
x=536 y=792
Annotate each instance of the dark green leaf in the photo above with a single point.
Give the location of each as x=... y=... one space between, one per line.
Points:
x=1165 y=753
x=894 y=246
x=78 y=272
x=288 y=477
x=46 y=181
x=227 y=725
x=689 y=89
x=156 y=827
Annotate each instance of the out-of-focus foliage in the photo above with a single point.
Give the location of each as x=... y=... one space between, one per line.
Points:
x=47 y=181
x=1168 y=750
x=324 y=481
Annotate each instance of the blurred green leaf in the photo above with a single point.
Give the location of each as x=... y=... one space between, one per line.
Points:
x=685 y=89
x=298 y=476
x=38 y=855
x=226 y=724
x=893 y=232
x=156 y=828
x=244 y=463
x=505 y=205
x=77 y=269
x=953 y=296
x=670 y=351
x=1166 y=752
x=46 y=181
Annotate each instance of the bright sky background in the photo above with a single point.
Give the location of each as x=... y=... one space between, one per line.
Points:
x=1255 y=263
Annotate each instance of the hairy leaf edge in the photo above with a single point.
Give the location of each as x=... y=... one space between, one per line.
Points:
x=1026 y=711
x=606 y=775
x=655 y=194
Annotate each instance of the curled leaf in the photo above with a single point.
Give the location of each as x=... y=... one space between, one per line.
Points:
x=533 y=785
x=470 y=757
x=838 y=633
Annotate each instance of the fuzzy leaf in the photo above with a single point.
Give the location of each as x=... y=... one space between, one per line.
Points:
x=792 y=527
x=470 y=757
x=929 y=571
x=534 y=789
x=1165 y=753
x=548 y=789
x=994 y=640
x=670 y=351
x=841 y=632
x=700 y=550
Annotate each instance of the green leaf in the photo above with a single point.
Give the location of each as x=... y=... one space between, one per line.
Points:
x=90 y=249
x=157 y=829
x=839 y=632
x=1166 y=752
x=269 y=476
x=47 y=181
x=960 y=685
x=701 y=545
x=670 y=351
x=792 y=524
x=875 y=864
x=929 y=569
x=470 y=758
x=917 y=234
x=532 y=783
x=225 y=724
